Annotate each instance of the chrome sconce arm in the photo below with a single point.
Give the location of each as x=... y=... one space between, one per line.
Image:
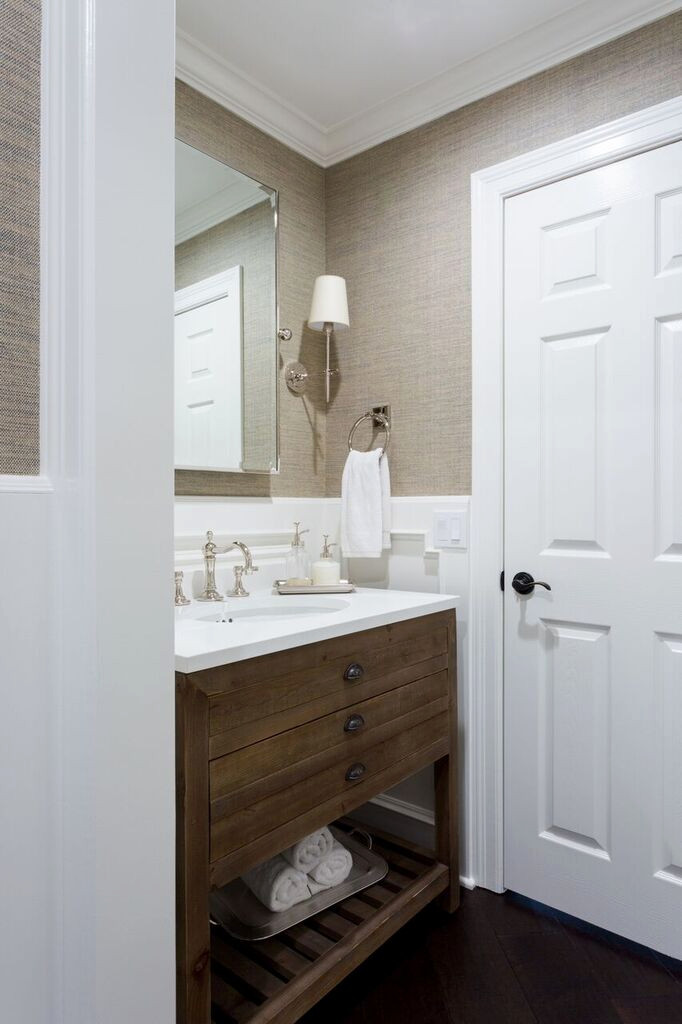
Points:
x=328 y=311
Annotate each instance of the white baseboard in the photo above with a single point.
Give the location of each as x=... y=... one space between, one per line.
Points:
x=422 y=814
x=406 y=820
x=392 y=803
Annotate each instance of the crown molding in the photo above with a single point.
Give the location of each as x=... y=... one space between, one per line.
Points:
x=210 y=74
x=583 y=28
x=213 y=210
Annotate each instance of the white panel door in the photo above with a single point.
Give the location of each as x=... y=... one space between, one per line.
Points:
x=208 y=374
x=593 y=506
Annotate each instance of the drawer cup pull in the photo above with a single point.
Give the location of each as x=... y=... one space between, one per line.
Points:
x=355 y=772
x=353 y=723
x=353 y=672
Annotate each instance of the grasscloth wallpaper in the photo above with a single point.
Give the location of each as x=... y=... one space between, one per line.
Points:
x=398 y=229
x=209 y=127
x=20 y=25
x=246 y=240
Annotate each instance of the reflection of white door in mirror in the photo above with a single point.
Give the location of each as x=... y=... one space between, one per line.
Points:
x=208 y=373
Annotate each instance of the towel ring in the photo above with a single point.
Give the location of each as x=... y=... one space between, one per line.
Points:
x=379 y=419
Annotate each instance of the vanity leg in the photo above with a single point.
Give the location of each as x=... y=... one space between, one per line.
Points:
x=445 y=778
x=192 y=856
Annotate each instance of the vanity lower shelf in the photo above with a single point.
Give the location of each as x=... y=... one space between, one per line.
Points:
x=279 y=979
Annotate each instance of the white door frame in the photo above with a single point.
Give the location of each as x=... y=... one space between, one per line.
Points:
x=208 y=289
x=90 y=543
x=646 y=129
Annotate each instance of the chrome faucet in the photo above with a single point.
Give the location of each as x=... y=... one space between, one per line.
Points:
x=210 y=550
x=242 y=570
x=180 y=599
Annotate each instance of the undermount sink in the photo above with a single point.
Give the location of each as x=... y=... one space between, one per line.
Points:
x=280 y=608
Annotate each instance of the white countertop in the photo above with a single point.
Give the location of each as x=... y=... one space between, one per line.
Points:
x=206 y=638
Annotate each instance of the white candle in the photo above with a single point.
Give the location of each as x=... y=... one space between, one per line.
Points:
x=326 y=572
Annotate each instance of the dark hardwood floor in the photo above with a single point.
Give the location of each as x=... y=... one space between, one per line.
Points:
x=503 y=959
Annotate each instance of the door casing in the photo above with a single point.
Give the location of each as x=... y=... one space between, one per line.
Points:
x=647 y=129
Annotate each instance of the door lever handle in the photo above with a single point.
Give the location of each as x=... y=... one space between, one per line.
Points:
x=523 y=583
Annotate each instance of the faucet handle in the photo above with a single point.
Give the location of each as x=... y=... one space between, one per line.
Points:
x=180 y=598
x=239 y=590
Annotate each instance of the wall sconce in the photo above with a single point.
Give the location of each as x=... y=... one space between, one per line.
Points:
x=328 y=312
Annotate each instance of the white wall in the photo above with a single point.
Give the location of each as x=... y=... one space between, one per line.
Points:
x=27 y=761
x=87 y=930
x=266 y=525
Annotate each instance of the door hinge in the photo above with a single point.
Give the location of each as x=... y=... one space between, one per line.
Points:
x=502 y=580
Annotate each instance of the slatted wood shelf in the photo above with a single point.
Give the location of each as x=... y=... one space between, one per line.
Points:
x=279 y=979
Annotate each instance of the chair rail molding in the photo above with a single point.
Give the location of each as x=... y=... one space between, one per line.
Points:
x=490 y=187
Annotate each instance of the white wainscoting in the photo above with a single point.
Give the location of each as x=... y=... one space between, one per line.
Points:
x=413 y=563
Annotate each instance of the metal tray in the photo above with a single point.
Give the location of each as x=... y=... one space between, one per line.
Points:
x=236 y=909
x=342 y=587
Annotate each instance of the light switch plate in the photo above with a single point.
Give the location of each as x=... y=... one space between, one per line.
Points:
x=450 y=528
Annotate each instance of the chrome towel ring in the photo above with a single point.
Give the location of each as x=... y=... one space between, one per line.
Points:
x=380 y=420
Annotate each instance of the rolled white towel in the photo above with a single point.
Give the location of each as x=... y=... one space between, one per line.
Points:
x=277 y=884
x=307 y=854
x=332 y=869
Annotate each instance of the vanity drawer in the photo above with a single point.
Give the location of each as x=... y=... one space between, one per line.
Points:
x=281 y=760
x=255 y=699
x=348 y=776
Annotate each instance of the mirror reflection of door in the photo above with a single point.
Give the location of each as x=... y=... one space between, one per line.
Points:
x=225 y=318
x=208 y=378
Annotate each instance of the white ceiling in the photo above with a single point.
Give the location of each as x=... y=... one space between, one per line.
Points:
x=332 y=77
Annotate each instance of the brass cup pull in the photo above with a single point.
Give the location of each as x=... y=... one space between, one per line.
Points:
x=353 y=723
x=355 y=772
x=354 y=672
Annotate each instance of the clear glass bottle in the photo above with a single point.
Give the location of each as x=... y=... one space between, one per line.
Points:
x=298 y=562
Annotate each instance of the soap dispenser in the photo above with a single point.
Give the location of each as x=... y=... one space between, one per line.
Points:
x=298 y=563
x=326 y=571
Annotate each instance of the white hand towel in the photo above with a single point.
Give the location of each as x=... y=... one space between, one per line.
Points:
x=385 y=502
x=332 y=869
x=365 y=505
x=307 y=854
x=277 y=885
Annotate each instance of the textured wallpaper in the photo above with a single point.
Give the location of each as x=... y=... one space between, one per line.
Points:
x=248 y=240
x=398 y=228
x=20 y=27
x=209 y=127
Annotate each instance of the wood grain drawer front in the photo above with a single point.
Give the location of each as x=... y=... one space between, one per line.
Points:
x=233 y=828
x=287 y=692
x=336 y=737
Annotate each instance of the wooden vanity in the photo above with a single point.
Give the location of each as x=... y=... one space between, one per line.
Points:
x=269 y=749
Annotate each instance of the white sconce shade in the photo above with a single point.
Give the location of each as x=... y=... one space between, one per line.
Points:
x=328 y=312
x=329 y=304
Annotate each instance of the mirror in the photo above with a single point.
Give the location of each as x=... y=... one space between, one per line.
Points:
x=225 y=317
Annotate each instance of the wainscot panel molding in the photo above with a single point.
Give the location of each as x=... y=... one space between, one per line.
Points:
x=414 y=563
